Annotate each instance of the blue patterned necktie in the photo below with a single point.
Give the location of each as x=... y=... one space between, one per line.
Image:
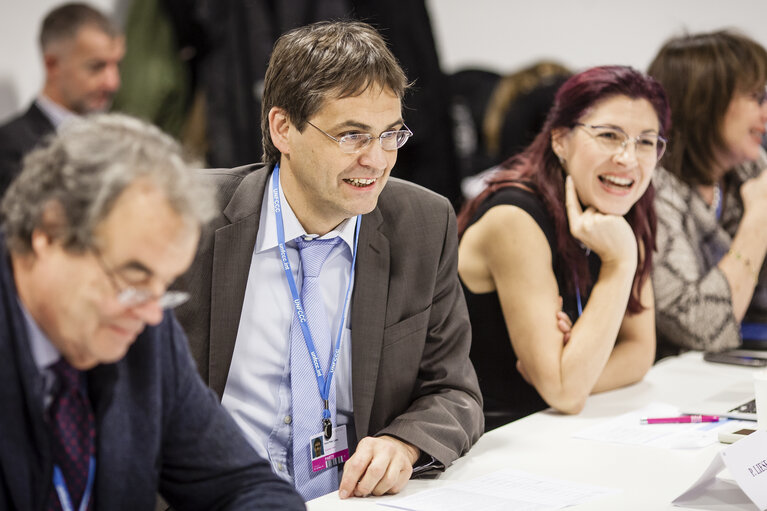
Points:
x=73 y=433
x=306 y=403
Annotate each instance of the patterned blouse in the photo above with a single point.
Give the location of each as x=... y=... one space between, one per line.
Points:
x=692 y=296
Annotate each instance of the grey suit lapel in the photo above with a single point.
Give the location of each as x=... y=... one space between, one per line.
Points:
x=371 y=287
x=232 y=254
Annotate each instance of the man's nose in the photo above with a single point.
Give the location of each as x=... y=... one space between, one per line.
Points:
x=374 y=155
x=111 y=78
x=149 y=312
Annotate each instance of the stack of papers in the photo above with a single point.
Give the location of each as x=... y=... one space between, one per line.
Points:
x=502 y=491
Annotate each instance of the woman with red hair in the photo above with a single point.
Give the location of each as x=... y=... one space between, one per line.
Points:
x=569 y=224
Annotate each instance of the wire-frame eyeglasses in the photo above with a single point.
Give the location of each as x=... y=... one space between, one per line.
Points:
x=352 y=143
x=131 y=296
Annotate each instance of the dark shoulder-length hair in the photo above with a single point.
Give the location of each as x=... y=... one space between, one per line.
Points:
x=539 y=169
x=701 y=74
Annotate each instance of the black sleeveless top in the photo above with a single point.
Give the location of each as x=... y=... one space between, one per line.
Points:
x=506 y=394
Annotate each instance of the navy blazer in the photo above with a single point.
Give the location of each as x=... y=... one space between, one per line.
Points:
x=158 y=428
x=17 y=137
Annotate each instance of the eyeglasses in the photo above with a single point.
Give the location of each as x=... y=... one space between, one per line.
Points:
x=131 y=296
x=356 y=142
x=649 y=147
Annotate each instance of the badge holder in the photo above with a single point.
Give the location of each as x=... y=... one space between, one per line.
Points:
x=329 y=451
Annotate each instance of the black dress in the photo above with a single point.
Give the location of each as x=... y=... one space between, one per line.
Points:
x=507 y=395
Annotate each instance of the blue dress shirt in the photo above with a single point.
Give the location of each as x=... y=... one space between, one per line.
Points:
x=257 y=392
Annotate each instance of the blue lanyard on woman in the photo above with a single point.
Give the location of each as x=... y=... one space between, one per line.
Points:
x=63 y=493
x=577 y=294
x=577 y=287
x=323 y=383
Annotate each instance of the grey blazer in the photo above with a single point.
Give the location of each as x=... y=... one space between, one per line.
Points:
x=410 y=332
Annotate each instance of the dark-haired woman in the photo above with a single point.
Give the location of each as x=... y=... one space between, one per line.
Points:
x=712 y=194
x=569 y=221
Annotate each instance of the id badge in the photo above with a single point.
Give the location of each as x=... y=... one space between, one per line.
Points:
x=329 y=452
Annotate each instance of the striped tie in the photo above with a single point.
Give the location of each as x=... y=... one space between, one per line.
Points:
x=73 y=432
x=307 y=404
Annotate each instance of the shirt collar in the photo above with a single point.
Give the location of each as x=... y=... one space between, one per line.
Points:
x=56 y=113
x=44 y=352
x=267 y=229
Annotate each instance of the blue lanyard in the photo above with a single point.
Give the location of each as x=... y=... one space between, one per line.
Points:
x=323 y=383
x=578 y=288
x=63 y=493
x=720 y=200
x=578 y=294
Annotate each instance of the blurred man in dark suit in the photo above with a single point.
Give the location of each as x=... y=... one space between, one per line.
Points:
x=81 y=51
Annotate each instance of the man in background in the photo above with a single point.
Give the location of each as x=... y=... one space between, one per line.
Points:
x=81 y=51
x=102 y=406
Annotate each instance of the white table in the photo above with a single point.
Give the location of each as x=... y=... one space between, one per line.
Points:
x=649 y=478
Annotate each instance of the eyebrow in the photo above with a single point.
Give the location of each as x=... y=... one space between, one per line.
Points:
x=364 y=127
x=96 y=63
x=137 y=266
x=614 y=126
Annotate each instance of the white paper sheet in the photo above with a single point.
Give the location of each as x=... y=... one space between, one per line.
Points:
x=503 y=490
x=626 y=429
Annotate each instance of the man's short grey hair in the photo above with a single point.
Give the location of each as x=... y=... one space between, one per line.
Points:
x=81 y=171
x=65 y=21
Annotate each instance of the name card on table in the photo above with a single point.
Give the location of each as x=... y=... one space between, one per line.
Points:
x=746 y=461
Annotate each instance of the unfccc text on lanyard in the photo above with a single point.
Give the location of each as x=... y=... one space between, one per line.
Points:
x=323 y=383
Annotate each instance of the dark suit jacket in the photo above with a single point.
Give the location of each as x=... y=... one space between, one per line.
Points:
x=17 y=137
x=157 y=427
x=410 y=332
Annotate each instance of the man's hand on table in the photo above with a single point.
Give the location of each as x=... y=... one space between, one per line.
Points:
x=380 y=465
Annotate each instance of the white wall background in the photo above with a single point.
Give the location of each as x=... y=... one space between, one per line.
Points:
x=500 y=35
x=504 y=35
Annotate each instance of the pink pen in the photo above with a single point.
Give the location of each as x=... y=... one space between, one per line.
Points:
x=684 y=419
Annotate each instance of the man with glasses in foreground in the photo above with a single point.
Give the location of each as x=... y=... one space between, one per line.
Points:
x=102 y=406
x=325 y=300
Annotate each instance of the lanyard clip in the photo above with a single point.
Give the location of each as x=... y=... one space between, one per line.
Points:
x=327 y=425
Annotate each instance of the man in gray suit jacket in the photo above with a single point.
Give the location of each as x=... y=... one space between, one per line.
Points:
x=405 y=394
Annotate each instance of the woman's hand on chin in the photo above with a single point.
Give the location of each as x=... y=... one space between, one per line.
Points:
x=609 y=236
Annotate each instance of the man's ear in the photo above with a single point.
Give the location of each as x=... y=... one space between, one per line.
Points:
x=51 y=63
x=51 y=227
x=40 y=241
x=279 y=127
